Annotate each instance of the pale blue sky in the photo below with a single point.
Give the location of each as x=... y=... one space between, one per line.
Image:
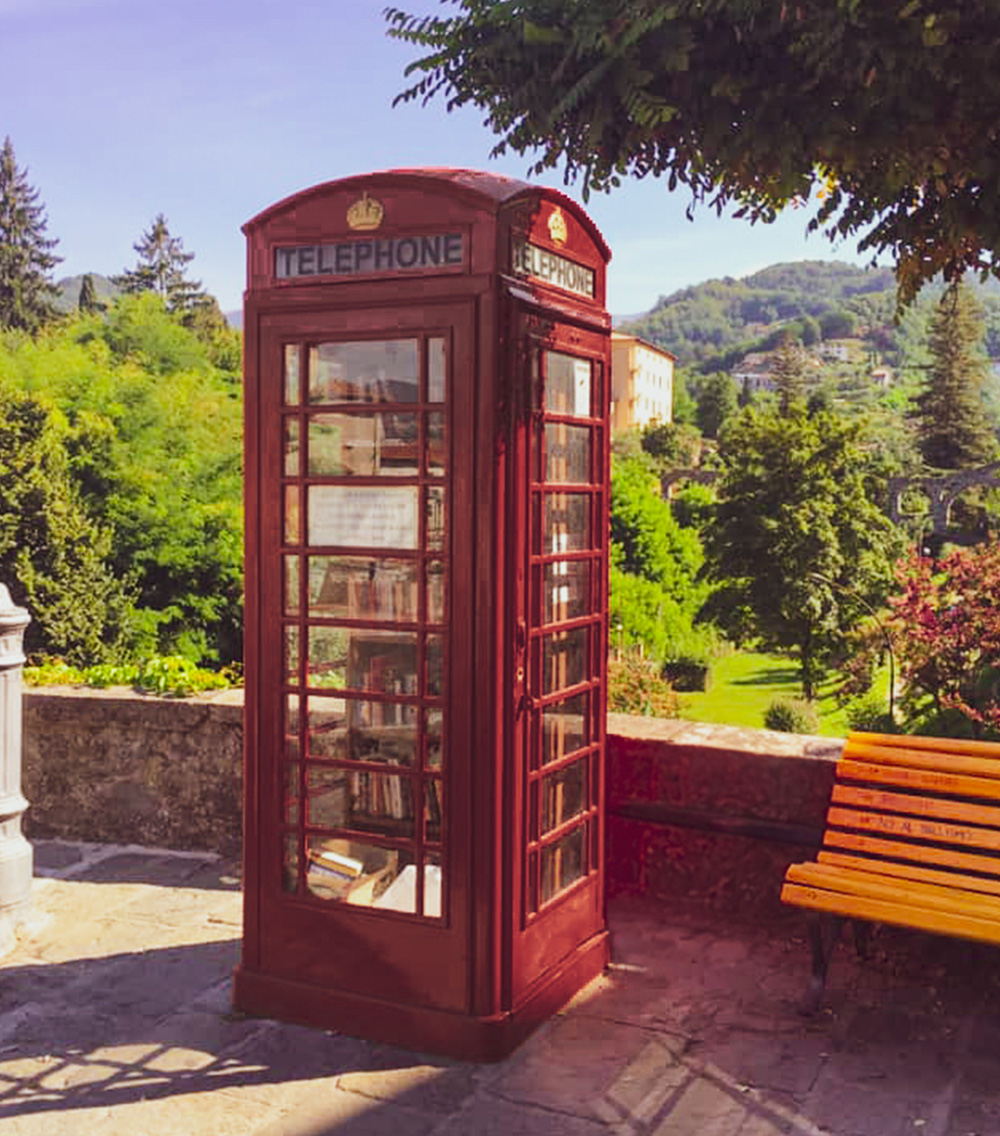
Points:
x=210 y=110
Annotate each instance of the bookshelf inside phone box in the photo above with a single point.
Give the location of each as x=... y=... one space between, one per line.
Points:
x=427 y=395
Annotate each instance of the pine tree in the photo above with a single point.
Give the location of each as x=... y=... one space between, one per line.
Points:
x=161 y=269
x=26 y=257
x=951 y=416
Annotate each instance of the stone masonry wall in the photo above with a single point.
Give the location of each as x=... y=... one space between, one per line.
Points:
x=118 y=767
x=114 y=766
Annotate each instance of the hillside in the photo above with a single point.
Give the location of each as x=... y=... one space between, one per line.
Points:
x=69 y=290
x=710 y=325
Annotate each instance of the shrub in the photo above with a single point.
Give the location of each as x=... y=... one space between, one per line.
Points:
x=791 y=716
x=869 y=712
x=635 y=688
x=170 y=676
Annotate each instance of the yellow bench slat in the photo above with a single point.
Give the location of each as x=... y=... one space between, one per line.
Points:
x=915 y=829
x=910 y=872
x=916 y=805
x=920 y=758
x=887 y=911
x=917 y=741
x=931 y=779
x=924 y=853
x=918 y=893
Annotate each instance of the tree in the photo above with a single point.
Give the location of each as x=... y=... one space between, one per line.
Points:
x=161 y=269
x=790 y=375
x=876 y=110
x=719 y=401
x=947 y=619
x=950 y=413
x=55 y=557
x=26 y=258
x=88 y=301
x=797 y=541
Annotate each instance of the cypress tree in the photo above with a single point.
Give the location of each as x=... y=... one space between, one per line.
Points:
x=789 y=375
x=161 y=268
x=26 y=258
x=950 y=414
x=88 y=301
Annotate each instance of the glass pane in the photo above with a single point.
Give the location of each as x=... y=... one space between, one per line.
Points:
x=292 y=655
x=290 y=863
x=357 y=659
x=291 y=585
x=290 y=792
x=356 y=730
x=435 y=517
x=292 y=748
x=381 y=802
x=567 y=384
x=292 y=447
x=435 y=664
x=437 y=449
x=564 y=795
x=435 y=592
x=292 y=373
x=364 y=372
x=363 y=445
x=432 y=810
x=292 y=715
x=564 y=659
x=364 y=588
x=566 y=522
x=566 y=590
x=433 y=885
x=350 y=871
x=433 y=738
x=567 y=452
x=327 y=799
x=435 y=370
x=562 y=863
x=365 y=516
x=293 y=527
x=564 y=728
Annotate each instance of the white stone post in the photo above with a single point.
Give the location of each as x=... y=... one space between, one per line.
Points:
x=15 y=852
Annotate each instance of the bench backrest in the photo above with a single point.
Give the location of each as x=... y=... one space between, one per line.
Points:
x=917 y=808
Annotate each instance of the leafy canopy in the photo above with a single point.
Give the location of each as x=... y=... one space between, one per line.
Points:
x=878 y=109
x=797 y=544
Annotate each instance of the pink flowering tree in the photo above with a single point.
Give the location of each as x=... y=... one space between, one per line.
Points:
x=947 y=634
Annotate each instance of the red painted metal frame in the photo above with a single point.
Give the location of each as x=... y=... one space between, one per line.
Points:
x=475 y=982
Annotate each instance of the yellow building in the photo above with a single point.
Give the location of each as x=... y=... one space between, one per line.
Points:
x=642 y=383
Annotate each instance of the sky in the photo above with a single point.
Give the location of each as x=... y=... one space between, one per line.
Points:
x=208 y=111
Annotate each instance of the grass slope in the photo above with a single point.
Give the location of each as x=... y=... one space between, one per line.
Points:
x=745 y=683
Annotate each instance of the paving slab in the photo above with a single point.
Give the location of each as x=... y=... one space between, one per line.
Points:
x=115 y=1020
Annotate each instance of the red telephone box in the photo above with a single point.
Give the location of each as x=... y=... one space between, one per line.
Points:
x=427 y=394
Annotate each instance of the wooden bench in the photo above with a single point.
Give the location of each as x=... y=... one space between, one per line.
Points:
x=912 y=838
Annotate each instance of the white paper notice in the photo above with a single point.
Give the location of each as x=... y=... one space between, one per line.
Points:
x=581 y=377
x=364 y=516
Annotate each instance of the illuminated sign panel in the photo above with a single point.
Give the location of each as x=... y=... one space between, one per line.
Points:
x=373 y=255
x=530 y=260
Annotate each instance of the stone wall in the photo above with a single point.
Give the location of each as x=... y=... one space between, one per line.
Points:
x=712 y=813
x=695 y=811
x=118 y=767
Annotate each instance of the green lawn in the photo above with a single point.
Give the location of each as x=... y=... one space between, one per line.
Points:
x=745 y=683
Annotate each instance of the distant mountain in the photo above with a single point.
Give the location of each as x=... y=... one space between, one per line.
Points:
x=69 y=290
x=712 y=324
x=235 y=319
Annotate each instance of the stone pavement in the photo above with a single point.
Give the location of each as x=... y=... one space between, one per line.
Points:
x=114 y=1020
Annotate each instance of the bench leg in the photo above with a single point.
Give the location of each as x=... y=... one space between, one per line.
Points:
x=863 y=939
x=824 y=930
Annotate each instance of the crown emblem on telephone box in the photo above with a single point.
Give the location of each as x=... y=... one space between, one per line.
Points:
x=558 y=230
x=365 y=213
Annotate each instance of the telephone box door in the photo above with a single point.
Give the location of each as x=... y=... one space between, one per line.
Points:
x=560 y=586
x=365 y=671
